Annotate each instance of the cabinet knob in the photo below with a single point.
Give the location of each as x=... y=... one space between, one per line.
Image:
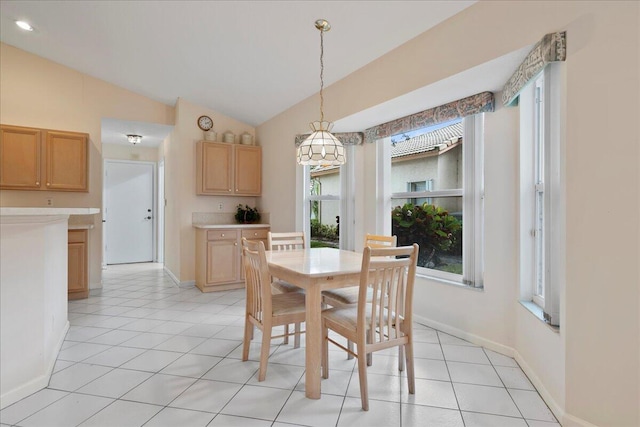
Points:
x=235 y=244
x=255 y=234
x=222 y=234
x=37 y=182
x=48 y=184
x=229 y=190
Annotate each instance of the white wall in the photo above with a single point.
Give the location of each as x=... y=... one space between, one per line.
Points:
x=590 y=371
x=130 y=152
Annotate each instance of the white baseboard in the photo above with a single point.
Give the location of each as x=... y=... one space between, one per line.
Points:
x=566 y=419
x=38 y=383
x=475 y=339
x=186 y=284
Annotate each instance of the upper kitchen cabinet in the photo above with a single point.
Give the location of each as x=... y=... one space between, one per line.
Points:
x=42 y=159
x=228 y=169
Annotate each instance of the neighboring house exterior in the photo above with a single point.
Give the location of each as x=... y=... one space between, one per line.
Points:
x=431 y=161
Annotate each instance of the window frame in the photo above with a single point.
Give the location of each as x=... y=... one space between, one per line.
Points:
x=472 y=195
x=542 y=193
x=345 y=199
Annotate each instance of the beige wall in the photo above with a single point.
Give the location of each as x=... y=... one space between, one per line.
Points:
x=40 y=93
x=588 y=372
x=180 y=185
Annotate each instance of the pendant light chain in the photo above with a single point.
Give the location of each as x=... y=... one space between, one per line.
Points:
x=321 y=75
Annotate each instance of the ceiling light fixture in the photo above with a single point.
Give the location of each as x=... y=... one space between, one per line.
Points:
x=134 y=139
x=24 y=25
x=321 y=147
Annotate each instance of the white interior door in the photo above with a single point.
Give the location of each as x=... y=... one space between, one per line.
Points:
x=129 y=212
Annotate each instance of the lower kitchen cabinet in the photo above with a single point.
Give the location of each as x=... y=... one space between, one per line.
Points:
x=78 y=278
x=219 y=256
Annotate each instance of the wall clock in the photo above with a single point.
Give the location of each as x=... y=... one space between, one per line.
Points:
x=205 y=123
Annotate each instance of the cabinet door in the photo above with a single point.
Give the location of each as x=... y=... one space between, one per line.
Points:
x=248 y=170
x=213 y=168
x=222 y=261
x=77 y=264
x=66 y=161
x=20 y=152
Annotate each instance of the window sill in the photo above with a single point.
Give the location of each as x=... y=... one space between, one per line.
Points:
x=449 y=282
x=538 y=313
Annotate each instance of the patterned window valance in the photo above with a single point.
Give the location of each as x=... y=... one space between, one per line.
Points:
x=479 y=103
x=347 y=138
x=552 y=48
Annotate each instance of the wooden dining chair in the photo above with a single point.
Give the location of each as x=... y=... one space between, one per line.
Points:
x=349 y=295
x=286 y=242
x=265 y=310
x=383 y=321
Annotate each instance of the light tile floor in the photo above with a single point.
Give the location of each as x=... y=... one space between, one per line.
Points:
x=146 y=352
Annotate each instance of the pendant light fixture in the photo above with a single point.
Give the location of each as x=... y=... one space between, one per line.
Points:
x=134 y=139
x=321 y=147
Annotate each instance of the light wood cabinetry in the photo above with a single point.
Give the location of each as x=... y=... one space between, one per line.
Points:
x=78 y=280
x=219 y=256
x=228 y=169
x=42 y=159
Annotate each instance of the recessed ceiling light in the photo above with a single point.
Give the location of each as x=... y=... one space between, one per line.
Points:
x=24 y=25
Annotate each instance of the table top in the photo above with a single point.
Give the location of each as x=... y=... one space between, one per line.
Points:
x=317 y=262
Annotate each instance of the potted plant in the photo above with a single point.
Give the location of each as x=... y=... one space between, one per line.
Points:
x=247 y=215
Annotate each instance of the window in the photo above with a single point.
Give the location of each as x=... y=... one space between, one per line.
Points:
x=434 y=180
x=420 y=186
x=541 y=234
x=328 y=204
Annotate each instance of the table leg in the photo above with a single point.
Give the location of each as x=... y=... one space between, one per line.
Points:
x=313 y=342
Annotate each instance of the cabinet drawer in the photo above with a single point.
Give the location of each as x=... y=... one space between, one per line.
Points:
x=222 y=234
x=253 y=234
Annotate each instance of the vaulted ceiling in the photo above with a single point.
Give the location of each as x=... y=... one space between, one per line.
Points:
x=249 y=60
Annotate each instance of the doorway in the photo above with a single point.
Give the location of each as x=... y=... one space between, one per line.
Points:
x=129 y=217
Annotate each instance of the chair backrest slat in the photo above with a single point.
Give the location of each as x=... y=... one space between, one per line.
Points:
x=285 y=241
x=380 y=241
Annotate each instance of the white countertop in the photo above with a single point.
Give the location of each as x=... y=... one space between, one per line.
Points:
x=47 y=211
x=80 y=226
x=214 y=226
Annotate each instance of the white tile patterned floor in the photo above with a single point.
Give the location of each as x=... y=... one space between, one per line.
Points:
x=146 y=352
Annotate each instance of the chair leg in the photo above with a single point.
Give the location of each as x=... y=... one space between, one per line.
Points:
x=410 y=371
x=362 y=374
x=296 y=337
x=248 y=336
x=325 y=352
x=400 y=358
x=264 y=352
x=286 y=335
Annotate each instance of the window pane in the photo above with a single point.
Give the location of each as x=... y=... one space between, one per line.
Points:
x=325 y=227
x=428 y=167
x=436 y=228
x=324 y=181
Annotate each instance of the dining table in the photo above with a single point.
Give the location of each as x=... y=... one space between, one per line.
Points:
x=315 y=270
